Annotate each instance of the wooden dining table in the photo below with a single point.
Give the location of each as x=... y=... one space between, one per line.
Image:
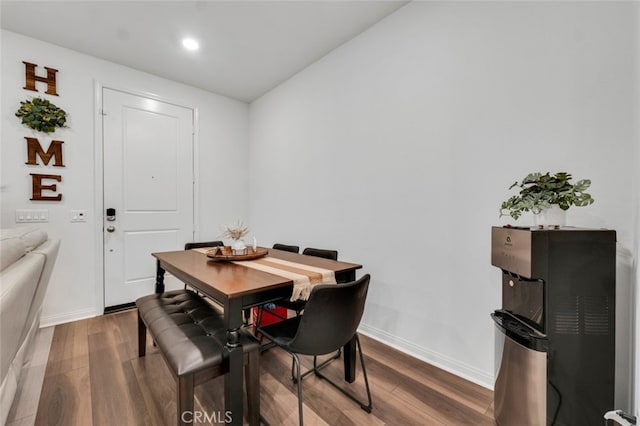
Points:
x=237 y=287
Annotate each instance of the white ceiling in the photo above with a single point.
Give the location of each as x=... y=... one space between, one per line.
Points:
x=246 y=47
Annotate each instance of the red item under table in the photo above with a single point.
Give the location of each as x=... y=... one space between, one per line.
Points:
x=270 y=316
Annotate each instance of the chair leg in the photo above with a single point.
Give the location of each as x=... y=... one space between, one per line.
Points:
x=366 y=377
x=298 y=380
x=368 y=407
x=252 y=383
x=142 y=337
x=185 y=400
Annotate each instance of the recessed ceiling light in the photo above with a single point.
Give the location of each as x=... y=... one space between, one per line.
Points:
x=190 y=44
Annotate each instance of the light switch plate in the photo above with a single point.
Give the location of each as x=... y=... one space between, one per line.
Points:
x=32 y=215
x=78 y=215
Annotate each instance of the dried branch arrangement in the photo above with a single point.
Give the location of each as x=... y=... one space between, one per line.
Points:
x=235 y=232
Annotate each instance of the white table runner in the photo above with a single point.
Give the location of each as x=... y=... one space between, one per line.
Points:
x=304 y=277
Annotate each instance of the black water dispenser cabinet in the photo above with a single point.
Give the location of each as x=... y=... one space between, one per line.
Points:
x=555 y=330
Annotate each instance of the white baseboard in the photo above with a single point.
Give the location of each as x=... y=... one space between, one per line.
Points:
x=446 y=363
x=48 y=321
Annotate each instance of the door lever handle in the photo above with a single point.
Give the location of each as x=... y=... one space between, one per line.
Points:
x=111 y=228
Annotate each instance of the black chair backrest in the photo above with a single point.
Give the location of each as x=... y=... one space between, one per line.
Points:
x=189 y=246
x=327 y=254
x=331 y=317
x=286 y=247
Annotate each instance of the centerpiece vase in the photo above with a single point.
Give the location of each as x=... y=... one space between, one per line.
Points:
x=239 y=247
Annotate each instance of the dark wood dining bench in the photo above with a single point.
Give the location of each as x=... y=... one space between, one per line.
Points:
x=191 y=335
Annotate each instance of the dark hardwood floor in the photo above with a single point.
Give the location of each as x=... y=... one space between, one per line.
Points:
x=94 y=377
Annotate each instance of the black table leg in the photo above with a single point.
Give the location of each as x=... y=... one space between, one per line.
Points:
x=159 y=278
x=349 y=351
x=233 y=380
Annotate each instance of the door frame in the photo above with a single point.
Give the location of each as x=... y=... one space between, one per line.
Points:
x=98 y=187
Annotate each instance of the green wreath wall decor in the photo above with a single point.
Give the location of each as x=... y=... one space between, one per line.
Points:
x=41 y=115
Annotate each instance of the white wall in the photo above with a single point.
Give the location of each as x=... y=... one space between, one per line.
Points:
x=398 y=147
x=221 y=147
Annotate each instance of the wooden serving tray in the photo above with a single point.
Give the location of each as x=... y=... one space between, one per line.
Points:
x=225 y=254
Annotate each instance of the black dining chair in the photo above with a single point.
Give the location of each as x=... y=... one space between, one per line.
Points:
x=287 y=247
x=189 y=246
x=327 y=254
x=329 y=321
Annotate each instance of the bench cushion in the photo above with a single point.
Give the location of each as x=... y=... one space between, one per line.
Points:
x=189 y=331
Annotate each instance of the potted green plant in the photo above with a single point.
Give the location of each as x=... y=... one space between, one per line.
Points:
x=541 y=192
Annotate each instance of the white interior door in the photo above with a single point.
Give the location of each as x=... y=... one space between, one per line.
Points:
x=148 y=180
